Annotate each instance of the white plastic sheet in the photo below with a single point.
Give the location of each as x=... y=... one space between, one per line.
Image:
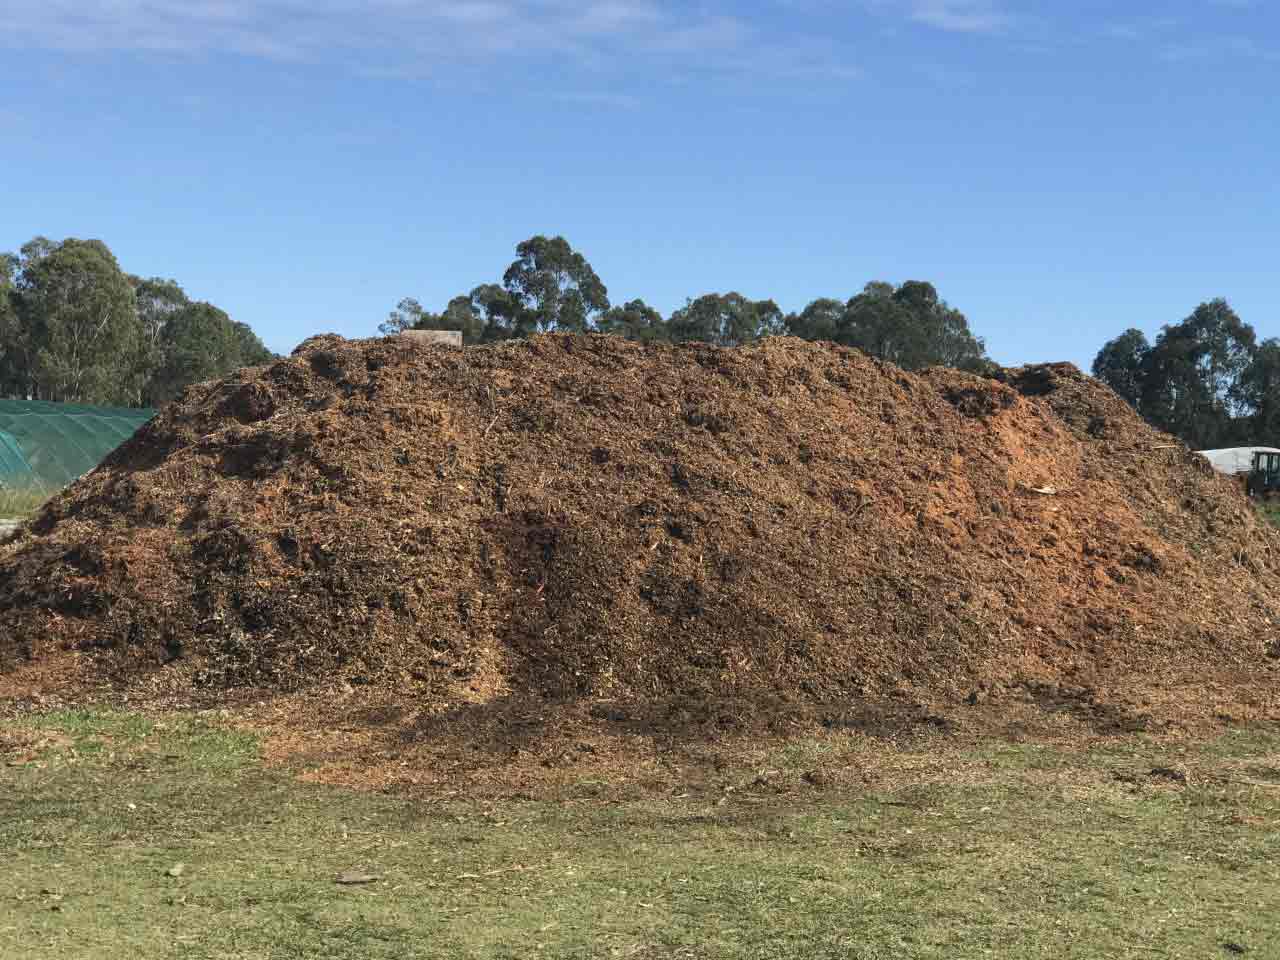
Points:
x=1233 y=460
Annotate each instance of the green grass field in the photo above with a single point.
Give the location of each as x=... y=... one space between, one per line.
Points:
x=18 y=504
x=127 y=836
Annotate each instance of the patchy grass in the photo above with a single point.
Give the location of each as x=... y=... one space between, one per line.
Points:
x=1029 y=851
x=20 y=504
x=1269 y=510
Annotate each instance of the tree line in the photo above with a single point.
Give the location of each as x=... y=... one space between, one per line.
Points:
x=551 y=287
x=1207 y=379
x=75 y=328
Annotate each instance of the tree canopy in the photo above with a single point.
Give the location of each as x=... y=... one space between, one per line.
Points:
x=1206 y=379
x=200 y=342
x=634 y=320
x=909 y=325
x=74 y=327
x=1258 y=391
x=552 y=287
x=1121 y=364
x=728 y=320
x=77 y=335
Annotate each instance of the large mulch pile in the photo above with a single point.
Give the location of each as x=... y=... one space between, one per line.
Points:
x=591 y=519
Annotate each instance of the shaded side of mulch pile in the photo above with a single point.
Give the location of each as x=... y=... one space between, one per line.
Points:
x=586 y=518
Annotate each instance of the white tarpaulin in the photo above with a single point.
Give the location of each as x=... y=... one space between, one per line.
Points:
x=1234 y=460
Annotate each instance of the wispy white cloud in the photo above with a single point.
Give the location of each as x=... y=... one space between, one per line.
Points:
x=953 y=16
x=962 y=16
x=294 y=29
x=398 y=37
x=1177 y=40
x=300 y=29
x=407 y=39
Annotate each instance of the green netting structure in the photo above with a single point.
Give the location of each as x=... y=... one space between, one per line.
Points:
x=59 y=442
x=15 y=472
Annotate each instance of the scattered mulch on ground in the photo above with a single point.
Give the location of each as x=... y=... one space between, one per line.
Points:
x=783 y=530
x=24 y=746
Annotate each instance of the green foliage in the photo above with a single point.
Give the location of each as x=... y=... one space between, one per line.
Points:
x=157 y=301
x=726 y=319
x=1190 y=387
x=1120 y=364
x=551 y=287
x=11 y=338
x=461 y=314
x=634 y=320
x=497 y=309
x=907 y=325
x=75 y=328
x=820 y=320
x=1206 y=379
x=79 y=336
x=253 y=352
x=1258 y=390
x=912 y=327
x=408 y=315
x=200 y=342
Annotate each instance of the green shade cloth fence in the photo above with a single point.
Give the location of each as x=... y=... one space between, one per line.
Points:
x=15 y=472
x=59 y=442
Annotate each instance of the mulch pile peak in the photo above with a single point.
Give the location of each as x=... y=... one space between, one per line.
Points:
x=587 y=518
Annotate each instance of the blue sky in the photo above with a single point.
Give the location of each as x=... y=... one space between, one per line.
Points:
x=1061 y=171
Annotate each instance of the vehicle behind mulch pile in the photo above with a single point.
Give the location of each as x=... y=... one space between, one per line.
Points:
x=586 y=518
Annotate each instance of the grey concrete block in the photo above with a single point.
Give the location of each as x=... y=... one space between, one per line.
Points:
x=448 y=338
